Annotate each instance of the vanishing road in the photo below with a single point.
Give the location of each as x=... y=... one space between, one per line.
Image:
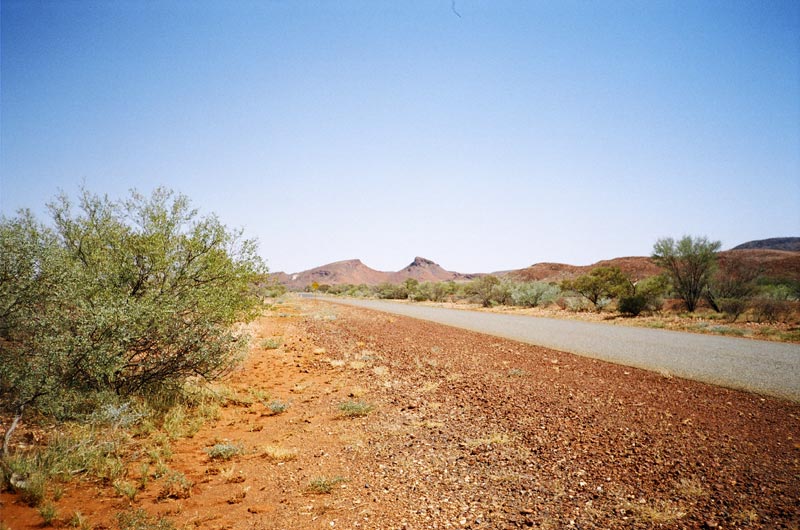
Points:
x=771 y=368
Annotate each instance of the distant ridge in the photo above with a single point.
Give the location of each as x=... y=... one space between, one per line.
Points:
x=354 y=272
x=777 y=257
x=791 y=244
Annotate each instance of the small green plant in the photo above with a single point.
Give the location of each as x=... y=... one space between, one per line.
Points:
x=144 y=475
x=140 y=520
x=323 y=485
x=176 y=486
x=258 y=394
x=272 y=343
x=355 y=409
x=30 y=486
x=180 y=422
x=123 y=488
x=161 y=470
x=725 y=330
x=49 y=513
x=278 y=407
x=78 y=520
x=517 y=372
x=223 y=451
x=160 y=451
x=109 y=468
x=57 y=491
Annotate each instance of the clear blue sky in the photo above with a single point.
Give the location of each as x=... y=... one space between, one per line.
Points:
x=515 y=133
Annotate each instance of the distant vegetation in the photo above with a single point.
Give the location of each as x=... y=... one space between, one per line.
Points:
x=693 y=274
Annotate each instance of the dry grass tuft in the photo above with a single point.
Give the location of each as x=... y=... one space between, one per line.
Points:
x=279 y=454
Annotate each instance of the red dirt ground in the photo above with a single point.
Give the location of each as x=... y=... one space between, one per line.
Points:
x=467 y=431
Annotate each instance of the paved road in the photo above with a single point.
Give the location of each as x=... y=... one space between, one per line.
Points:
x=766 y=367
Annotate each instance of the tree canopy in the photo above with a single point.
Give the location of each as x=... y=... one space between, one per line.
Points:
x=689 y=263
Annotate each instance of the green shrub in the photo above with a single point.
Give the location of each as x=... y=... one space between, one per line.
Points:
x=355 y=409
x=732 y=307
x=770 y=310
x=441 y=291
x=78 y=520
x=126 y=297
x=126 y=489
x=533 y=294
x=175 y=486
x=389 y=291
x=49 y=513
x=278 y=407
x=485 y=290
x=632 y=305
x=323 y=485
x=600 y=286
x=223 y=451
x=272 y=344
x=653 y=289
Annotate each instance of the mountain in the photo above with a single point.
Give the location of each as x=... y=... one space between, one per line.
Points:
x=351 y=271
x=636 y=267
x=354 y=272
x=791 y=244
x=424 y=270
x=771 y=263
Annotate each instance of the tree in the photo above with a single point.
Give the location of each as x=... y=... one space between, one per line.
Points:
x=125 y=297
x=411 y=285
x=731 y=285
x=599 y=286
x=689 y=263
x=484 y=289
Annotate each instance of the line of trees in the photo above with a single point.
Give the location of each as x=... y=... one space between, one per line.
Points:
x=732 y=286
x=693 y=273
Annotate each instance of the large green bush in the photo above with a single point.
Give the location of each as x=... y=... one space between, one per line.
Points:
x=533 y=294
x=125 y=297
x=600 y=286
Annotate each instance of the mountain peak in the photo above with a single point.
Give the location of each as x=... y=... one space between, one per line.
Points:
x=421 y=262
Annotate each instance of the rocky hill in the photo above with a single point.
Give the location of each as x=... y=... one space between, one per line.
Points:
x=425 y=270
x=351 y=271
x=354 y=272
x=791 y=244
x=636 y=267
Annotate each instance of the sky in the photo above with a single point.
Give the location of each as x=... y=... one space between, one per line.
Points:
x=484 y=135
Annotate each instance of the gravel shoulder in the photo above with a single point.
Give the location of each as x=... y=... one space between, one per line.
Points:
x=769 y=368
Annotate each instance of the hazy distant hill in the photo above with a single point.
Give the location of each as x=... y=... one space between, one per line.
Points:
x=791 y=244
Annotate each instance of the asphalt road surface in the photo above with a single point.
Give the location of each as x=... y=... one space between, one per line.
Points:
x=770 y=368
